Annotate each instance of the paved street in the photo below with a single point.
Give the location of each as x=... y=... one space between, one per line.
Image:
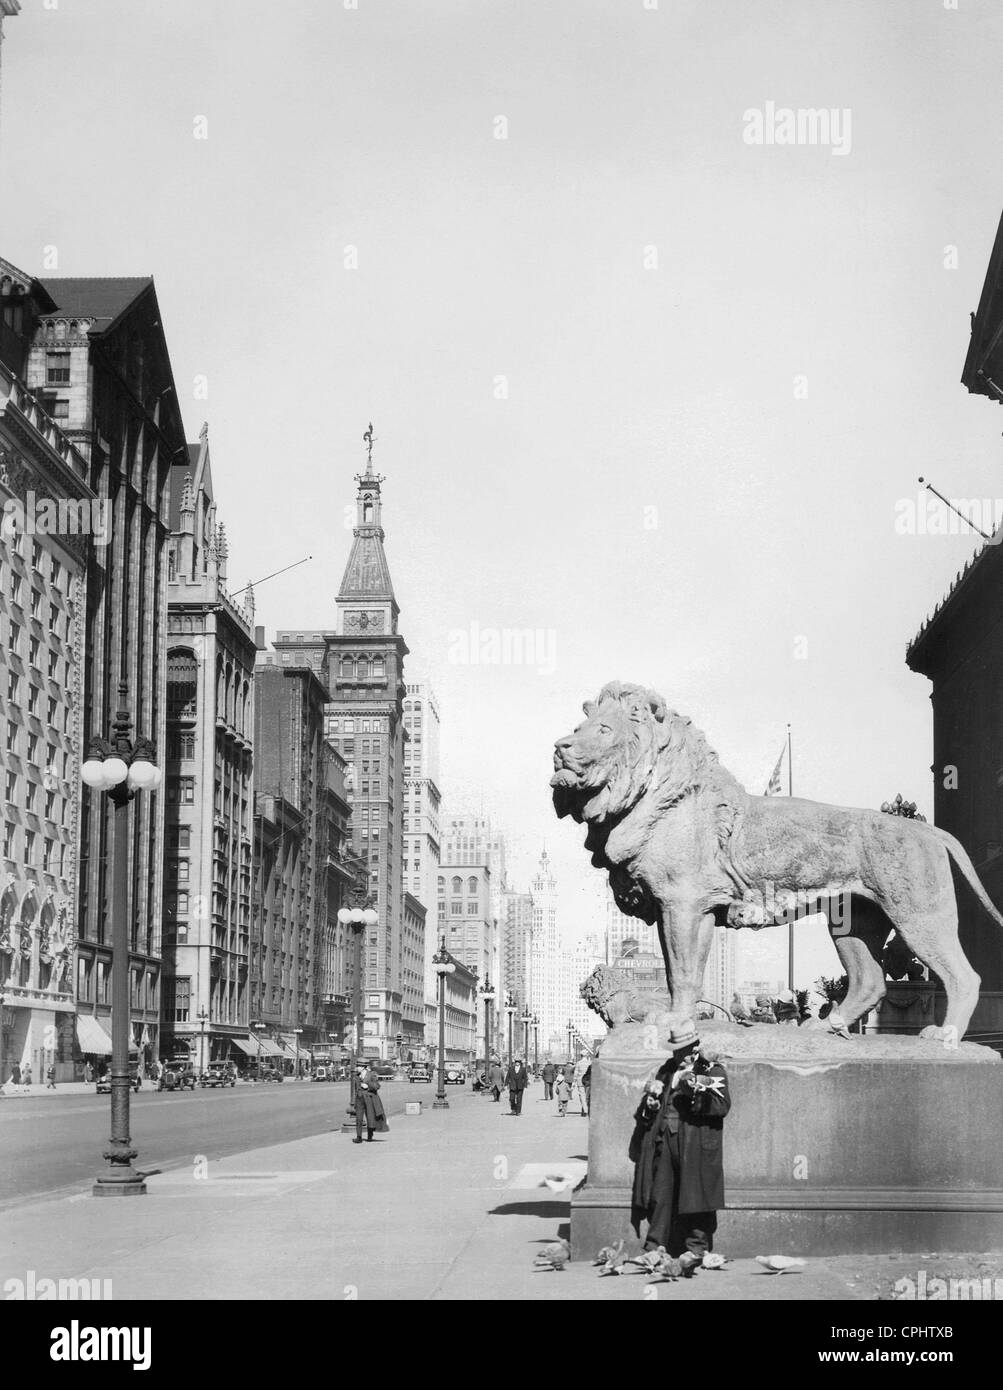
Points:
x=449 y=1205
x=50 y=1142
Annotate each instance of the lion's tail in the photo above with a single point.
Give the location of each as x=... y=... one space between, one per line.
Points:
x=960 y=856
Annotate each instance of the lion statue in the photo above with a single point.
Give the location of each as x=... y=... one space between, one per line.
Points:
x=612 y=994
x=687 y=848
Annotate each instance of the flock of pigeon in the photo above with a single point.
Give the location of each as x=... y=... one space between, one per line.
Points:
x=658 y=1264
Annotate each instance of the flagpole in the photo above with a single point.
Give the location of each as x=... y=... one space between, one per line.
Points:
x=790 y=924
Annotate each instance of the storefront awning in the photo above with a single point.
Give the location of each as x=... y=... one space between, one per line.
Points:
x=245 y=1045
x=271 y=1049
x=92 y=1037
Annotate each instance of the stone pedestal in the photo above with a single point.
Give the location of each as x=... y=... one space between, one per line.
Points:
x=868 y=1146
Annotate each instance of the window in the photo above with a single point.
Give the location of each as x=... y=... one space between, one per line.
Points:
x=33 y=650
x=455 y=909
x=47 y=853
x=13 y=637
x=13 y=682
x=182 y=684
x=55 y=572
x=32 y=699
x=471 y=909
x=180 y=870
x=11 y=786
x=181 y=790
x=177 y=999
x=457 y=884
x=36 y=599
x=52 y=664
x=51 y=707
x=29 y=846
x=32 y=747
x=60 y=410
x=30 y=797
x=50 y=798
x=471 y=885
x=11 y=736
x=57 y=369
x=179 y=836
x=8 y=840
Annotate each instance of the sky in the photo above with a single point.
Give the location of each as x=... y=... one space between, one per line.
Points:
x=644 y=388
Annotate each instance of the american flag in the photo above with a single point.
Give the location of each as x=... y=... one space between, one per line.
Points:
x=775 y=787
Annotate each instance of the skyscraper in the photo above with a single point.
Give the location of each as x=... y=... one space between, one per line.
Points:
x=421 y=830
x=362 y=664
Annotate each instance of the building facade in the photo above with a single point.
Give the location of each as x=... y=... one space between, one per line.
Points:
x=361 y=663
x=43 y=581
x=421 y=833
x=208 y=764
x=98 y=362
x=289 y=920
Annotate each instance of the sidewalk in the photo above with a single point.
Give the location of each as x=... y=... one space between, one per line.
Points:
x=450 y=1205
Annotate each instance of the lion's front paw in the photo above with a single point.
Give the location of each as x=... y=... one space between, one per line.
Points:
x=935 y=1034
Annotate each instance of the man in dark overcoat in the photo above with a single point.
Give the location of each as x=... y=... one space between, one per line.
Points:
x=677 y=1149
x=516 y=1080
x=368 y=1106
x=496 y=1079
x=548 y=1073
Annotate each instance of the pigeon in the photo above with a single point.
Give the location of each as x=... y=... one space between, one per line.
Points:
x=555 y=1182
x=668 y=1270
x=779 y=1264
x=645 y=1263
x=713 y=1261
x=610 y=1258
x=553 y=1256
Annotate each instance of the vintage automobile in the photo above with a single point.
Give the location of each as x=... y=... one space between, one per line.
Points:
x=456 y=1076
x=322 y=1072
x=263 y=1071
x=103 y=1083
x=219 y=1074
x=176 y=1075
x=420 y=1071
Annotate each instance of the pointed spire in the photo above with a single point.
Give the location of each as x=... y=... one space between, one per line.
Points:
x=204 y=432
x=222 y=547
x=249 y=599
x=187 y=495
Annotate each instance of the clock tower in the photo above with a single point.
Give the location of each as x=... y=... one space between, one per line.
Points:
x=362 y=664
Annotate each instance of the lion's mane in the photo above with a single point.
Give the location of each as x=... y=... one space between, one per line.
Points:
x=660 y=759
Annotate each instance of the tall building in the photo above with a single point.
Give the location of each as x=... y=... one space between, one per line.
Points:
x=290 y=910
x=471 y=931
x=341 y=873
x=960 y=649
x=471 y=840
x=361 y=663
x=581 y=957
x=422 y=798
x=517 y=943
x=208 y=759
x=720 y=971
x=99 y=365
x=43 y=581
x=547 y=981
x=621 y=928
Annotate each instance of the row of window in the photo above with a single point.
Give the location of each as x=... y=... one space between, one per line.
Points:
x=53 y=855
x=14 y=645
x=56 y=619
x=15 y=543
x=31 y=791
x=350 y=669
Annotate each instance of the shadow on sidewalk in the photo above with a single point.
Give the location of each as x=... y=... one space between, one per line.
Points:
x=548 y=1210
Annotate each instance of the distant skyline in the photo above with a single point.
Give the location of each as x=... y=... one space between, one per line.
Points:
x=639 y=386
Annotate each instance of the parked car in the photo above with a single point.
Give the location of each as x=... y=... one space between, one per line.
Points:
x=175 y=1076
x=322 y=1073
x=103 y=1083
x=263 y=1072
x=385 y=1071
x=456 y=1076
x=420 y=1071
x=219 y=1074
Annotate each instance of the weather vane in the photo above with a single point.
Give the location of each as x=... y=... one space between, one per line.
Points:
x=370 y=439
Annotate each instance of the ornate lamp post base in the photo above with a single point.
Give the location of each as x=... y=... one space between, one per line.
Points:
x=120 y=1179
x=442 y=1104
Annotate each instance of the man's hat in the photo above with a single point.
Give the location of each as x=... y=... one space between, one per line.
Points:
x=684 y=1038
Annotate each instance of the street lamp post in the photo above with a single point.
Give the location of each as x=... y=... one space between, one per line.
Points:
x=357 y=918
x=443 y=966
x=121 y=768
x=536 y=1042
x=257 y=1042
x=526 y=1020
x=203 y=1019
x=297 y=1032
x=511 y=1008
x=488 y=995
x=571 y=1042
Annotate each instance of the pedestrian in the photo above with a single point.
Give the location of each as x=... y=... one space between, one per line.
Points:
x=549 y=1073
x=516 y=1081
x=677 y=1148
x=496 y=1079
x=582 y=1069
x=15 y=1074
x=368 y=1106
x=50 y=1077
x=88 y=1072
x=563 y=1093
x=26 y=1080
